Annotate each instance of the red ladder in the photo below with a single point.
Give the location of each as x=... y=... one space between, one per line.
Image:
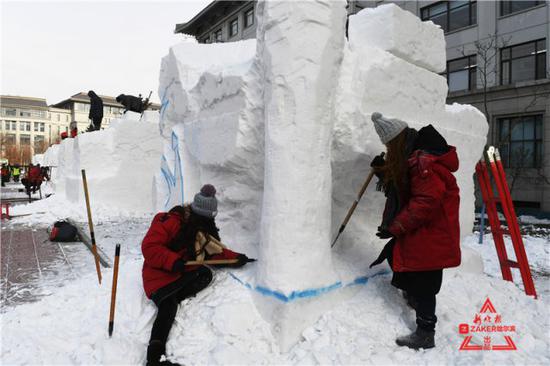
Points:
x=505 y=199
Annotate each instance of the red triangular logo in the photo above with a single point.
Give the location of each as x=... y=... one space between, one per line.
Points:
x=510 y=345
x=488 y=307
x=466 y=346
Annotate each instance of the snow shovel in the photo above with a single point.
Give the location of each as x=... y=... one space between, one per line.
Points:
x=355 y=203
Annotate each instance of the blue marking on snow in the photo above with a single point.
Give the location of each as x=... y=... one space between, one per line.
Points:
x=169 y=177
x=308 y=293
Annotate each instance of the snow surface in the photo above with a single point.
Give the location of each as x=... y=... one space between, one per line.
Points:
x=281 y=126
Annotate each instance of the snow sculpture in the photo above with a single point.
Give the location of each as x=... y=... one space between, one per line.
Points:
x=120 y=163
x=282 y=128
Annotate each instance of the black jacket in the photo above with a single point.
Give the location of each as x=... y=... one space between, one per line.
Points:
x=131 y=103
x=96 y=106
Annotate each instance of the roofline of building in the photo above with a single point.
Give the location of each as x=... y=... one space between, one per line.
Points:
x=79 y=97
x=182 y=27
x=45 y=106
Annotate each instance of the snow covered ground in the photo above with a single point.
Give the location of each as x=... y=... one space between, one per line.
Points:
x=68 y=325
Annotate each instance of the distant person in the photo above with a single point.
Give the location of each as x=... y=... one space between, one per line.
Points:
x=5 y=174
x=74 y=129
x=185 y=233
x=96 y=110
x=15 y=172
x=132 y=103
x=64 y=135
x=33 y=179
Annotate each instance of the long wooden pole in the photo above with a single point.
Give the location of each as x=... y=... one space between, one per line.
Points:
x=91 y=225
x=355 y=203
x=113 y=291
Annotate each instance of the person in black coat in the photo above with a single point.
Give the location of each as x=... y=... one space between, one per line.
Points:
x=131 y=103
x=96 y=110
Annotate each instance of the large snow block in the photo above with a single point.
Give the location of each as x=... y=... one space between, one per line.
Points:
x=120 y=163
x=401 y=33
x=212 y=119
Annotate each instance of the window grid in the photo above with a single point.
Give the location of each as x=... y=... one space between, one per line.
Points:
x=441 y=13
x=233 y=27
x=510 y=7
x=249 y=18
x=520 y=141
x=470 y=67
x=507 y=58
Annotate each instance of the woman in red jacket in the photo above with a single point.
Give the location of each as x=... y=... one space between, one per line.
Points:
x=420 y=217
x=184 y=233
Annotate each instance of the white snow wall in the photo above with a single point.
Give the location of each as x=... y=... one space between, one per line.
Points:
x=120 y=163
x=282 y=128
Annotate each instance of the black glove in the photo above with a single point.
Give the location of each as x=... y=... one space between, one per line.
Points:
x=384 y=234
x=378 y=161
x=178 y=266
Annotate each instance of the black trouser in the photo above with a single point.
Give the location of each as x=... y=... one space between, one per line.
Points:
x=425 y=311
x=168 y=305
x=97 y=123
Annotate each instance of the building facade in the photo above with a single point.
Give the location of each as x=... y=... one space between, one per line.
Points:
x=496 y=60
x=27 y=127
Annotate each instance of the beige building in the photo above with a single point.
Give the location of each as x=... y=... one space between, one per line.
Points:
x=27 y=128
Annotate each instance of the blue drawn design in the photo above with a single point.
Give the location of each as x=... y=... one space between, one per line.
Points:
x=308 y=293
x=170 y=178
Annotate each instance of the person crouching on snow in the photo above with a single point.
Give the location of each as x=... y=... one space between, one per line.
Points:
x=420 y=217
x=183 y=234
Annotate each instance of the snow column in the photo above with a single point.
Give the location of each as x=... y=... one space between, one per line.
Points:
x=300 y=45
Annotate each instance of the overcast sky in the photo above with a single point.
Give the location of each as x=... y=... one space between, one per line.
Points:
x=56 y=49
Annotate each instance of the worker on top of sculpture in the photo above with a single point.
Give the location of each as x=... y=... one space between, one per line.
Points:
x=96 y=111
x=132 y=103
x=420 y=217
x=185 y=233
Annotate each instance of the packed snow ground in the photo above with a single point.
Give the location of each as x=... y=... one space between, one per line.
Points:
x=222 y=326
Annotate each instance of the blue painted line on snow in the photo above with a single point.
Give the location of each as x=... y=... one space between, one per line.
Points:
x=308 y=293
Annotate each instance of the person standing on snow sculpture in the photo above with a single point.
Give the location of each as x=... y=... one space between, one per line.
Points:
x=96 y=110
x=185 y=233
x=420 y=217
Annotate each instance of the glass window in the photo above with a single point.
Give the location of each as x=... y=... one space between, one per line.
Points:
x=10 y=139
x=42 y=126
x=10 y=111
x=451 y=15
x=249 y=18
x=461 y=73
x=39 y=145
x=24 y=113
x=24 y=126
x=7 y=125
x=14 y=125
x=234 y=27
x=36 y=126
x=24 y=139
x=522 y=62
x=520 y=141
x=218 y=35
x=509 y=7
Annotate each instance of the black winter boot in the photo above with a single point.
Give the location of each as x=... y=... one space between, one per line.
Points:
x=422 y=338
x=155 y=350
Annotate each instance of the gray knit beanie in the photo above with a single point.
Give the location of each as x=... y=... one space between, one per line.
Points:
x=205 y=202
x=387 y=128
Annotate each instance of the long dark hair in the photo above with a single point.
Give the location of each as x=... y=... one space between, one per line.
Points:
x=395 y=169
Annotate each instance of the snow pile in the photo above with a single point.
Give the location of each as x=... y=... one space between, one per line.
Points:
x=282 y=128
x=120 y=163
x=38 y=159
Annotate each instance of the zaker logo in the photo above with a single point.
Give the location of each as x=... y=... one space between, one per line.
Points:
x=487 y=323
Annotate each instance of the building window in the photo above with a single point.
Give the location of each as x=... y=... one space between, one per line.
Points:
x=206 y=40
x=451 y=15
x=82 y=107
x=39 y=143
x=233 y=27
x=10 y=139
x=14 y=125
x=24 y=139
x=249 y=18
x=24 y=114
x=520 y=141
x=24 y=126
x=509 y=7
x=9 y=111
x=526 y=61
x=461 y=73
x=218 y=35
x=36 y=126
x=10 y=125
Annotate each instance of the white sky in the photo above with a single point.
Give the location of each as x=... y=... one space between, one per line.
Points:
x=53 y=49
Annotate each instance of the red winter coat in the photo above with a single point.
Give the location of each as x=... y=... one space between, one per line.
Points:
x=35 y=175
x=159 y=258
x=427 y=229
